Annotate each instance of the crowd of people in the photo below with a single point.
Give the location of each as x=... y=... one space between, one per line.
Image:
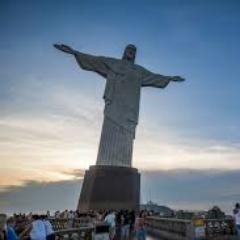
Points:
x=125 y=225
x=26 y=227
x=122 y=225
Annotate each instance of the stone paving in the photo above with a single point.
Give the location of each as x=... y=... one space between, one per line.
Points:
x=151 y=238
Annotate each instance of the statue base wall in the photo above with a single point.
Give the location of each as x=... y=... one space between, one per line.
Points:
x=110 y=187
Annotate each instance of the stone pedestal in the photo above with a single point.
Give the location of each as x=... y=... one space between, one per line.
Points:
x=110 y=187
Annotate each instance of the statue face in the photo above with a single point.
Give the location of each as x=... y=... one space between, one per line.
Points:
x=130 y=53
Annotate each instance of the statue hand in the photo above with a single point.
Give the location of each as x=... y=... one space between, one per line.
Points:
x=64 y=48
x=177 y=79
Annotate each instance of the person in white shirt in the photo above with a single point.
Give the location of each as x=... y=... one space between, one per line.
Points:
x=38 y=231
x=50 y=235
x=110 y=219
x=236 y=213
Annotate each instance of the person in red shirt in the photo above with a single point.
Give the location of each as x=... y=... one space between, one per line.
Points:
x=139 y=227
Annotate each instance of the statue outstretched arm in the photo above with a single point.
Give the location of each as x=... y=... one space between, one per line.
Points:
x=87 y=62
x=157 y=80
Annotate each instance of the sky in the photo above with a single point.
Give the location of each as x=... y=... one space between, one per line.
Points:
x=51 y=112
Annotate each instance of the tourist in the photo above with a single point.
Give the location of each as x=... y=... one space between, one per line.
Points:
x=48 y=214
x=50 y=235
x=71 y=216
x=99 y=216
x=118 y=225
x=37 y=231
x=7 y=232
x=57 y=214
x=11 y=222
x=236 y=213
x=125 y=230
x=132 y=222
x=29 y=216
x=110 y=219
x=65 y=214
x=19 y=224
x=139 y=227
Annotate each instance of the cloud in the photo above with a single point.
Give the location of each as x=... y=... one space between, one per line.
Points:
x=76 y=173
x=164 y=149
x=40 y=196
x=178 y=188
x=48 y=144
x=191 y=188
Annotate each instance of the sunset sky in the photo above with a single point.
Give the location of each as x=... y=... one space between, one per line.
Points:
x=51 y=111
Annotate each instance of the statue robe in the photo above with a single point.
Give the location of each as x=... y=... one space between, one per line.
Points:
x=122 y=96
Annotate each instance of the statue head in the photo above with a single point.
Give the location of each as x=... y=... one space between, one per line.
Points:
x=130 y=53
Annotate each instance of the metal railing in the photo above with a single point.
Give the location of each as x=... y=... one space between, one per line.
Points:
x=84 y=228
x=63 y=223
x=169 y=228
x=215 y=228
x=180 y=229
x=82 y=233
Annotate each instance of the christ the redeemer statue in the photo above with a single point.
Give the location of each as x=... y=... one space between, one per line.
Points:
x=124 y=80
